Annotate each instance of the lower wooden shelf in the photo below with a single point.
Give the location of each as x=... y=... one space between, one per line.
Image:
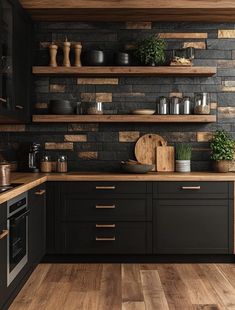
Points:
x=124 y=118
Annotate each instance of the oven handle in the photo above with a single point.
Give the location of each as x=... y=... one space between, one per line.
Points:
x=16 y=219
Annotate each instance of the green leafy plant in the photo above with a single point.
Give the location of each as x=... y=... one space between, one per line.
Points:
x=151 y=51
x=183 y=152
x=222 y=146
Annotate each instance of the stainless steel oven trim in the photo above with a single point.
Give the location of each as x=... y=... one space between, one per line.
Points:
x=13 y=274
x=15 y=199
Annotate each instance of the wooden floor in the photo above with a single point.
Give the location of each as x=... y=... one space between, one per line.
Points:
x=129 y=287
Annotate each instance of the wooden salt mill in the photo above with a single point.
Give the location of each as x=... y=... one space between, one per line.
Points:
x=66 y=50
x=78 y=50
x=53 y=53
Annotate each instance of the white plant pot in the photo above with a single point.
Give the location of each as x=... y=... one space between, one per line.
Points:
x=183 y=165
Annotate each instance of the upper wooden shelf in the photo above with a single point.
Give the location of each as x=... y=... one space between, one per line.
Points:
x=131 y=10
x=132 y=71
x=124 y=118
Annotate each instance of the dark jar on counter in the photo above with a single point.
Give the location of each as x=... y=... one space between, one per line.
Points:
x=62 y=164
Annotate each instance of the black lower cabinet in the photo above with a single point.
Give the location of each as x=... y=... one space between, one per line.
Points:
x=3 y=254
x=37 y=224
x=193 y=226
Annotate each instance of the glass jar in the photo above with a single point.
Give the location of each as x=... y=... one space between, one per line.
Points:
x=62 y=164
x=186 y=106
x=46 y=164
x=201 y=104
x=175 y=105
x=95 y=108
x=163 y=106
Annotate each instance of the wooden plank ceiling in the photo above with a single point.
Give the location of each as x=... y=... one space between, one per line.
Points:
x=131 y=10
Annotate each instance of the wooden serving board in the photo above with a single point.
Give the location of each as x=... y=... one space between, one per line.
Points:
x=165 y=158
x=146 y=147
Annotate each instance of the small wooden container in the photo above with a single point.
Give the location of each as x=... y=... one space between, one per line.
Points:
x=78 y=51
x=53 y=53
x=66 y=50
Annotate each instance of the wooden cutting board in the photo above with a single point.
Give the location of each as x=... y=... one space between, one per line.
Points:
x=165 y=158
x=146 y=147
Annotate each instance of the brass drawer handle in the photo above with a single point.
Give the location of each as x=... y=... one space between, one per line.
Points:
x=105 y=187
x=4 y=233
x=105 y=207
x=40 y=192
x=105 y=238
x=19 y=107
x=191 y=187
x=105 y=225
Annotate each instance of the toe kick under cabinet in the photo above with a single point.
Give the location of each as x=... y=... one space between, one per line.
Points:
x=140 y=217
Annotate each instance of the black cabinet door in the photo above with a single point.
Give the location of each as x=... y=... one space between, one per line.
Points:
x=193 y=226
x=15 y=62
x=37 y=222
x=3 y=254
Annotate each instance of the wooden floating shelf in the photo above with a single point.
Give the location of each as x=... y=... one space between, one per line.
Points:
x=126 y=71
x=124 y=118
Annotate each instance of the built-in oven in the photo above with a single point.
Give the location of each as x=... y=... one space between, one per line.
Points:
x=17 y=243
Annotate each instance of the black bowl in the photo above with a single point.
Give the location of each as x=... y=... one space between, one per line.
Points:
x=122 y=59
x=61 y=107
x=95 y=58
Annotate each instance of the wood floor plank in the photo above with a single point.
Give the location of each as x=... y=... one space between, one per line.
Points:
x=154 y=296
x=174 y=288
x=221 y=285
x=110 y=289
x=198 y=293
x=229 y=272
x=136 y=305
x=131 y=283
x=82 y=301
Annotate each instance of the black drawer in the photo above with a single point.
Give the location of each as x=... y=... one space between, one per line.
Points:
x=3 y=216
x=118 y=238
x=74 y=209
x=38 y=194
x=104 y=188
x=193 y=190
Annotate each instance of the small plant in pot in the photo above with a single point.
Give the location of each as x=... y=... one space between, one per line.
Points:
x=151 y=51
x=183 y=158
x=222 y=150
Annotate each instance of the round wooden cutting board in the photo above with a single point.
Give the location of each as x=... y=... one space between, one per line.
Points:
x=145 y=148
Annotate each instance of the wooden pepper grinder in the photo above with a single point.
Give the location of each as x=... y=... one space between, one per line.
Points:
x=78 y=50
x=53 y=53
x=66 y=49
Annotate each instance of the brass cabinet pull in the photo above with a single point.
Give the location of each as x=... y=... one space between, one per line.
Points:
x=191 y=187
x=4 y=233
x=40 y=192
x=105 y=238
x=105 y=187
x=3 y=100
x=105 y=207
x=105 y=225
x=19 y=107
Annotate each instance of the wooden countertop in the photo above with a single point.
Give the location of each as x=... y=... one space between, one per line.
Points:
x=31 y=180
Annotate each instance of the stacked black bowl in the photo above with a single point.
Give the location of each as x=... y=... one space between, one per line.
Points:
x=61 y=107
x=122 y=59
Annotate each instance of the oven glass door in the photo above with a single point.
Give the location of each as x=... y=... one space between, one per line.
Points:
x=18 y=243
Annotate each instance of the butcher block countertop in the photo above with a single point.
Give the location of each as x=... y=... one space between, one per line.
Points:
x=31 y=180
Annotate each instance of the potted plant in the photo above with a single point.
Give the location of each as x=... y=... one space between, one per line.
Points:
x=151 y=51
x=183 y=158
x=222 y=150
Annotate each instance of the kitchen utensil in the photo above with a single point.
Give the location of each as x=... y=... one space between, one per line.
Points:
x=33 y=157
x=95 y=58
x=163 y=106
x=186 y=108
x=137 y=168
x=95 y=108
x=175 y=106
x=61 y=107
x=122 y=59
x=165 y=158
x=66 y=50
x=53 y=53
x=5 y=174
x=143 y=112
x=78 y=51
x=145 y=148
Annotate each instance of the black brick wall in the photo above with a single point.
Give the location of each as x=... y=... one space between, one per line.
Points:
x=131 y=92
